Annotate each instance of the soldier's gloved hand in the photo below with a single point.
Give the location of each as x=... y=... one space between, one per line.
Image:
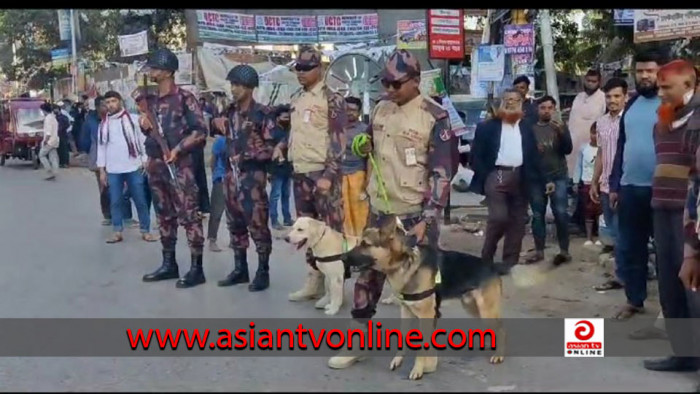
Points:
x=145 y=123
x=366 y=148
x=173 y=155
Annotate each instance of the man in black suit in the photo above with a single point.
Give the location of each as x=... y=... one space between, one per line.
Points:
x=504 y=161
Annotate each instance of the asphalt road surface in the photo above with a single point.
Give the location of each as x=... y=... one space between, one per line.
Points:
x=56 y=264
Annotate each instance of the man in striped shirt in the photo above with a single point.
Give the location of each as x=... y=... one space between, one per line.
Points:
x=608 y=127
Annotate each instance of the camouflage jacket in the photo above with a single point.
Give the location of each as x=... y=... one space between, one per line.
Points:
x=249 y=138
x=180 y=117
x=439 y=168
x=337 y=122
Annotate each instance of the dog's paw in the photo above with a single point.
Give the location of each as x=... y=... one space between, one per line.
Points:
x=331 y=311
x=496 y=359
x=416 y=372
x=395 y=362
x=322 y=303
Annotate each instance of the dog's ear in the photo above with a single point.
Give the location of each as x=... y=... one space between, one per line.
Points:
x=388 y=228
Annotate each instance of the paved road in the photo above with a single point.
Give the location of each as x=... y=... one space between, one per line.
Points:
x=56 y=264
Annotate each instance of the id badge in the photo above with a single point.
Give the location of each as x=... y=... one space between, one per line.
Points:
x=411 y=156
x=307 y=116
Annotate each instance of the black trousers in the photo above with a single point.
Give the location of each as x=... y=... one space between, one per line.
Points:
x=200 y=176
x=63 y=149
x=677 y=303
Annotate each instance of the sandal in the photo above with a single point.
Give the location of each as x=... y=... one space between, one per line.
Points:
x=115 y=238
x=611 y=284
x=627 y=312
x=148 y=237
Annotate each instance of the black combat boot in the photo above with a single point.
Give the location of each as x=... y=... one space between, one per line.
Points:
x=240 y=270
x=262 y=275
x=193 y=277
x=167 y=270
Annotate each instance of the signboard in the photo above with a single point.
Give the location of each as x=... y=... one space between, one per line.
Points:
x=183 y=76
x=133 y=44
x=446 y=34
x=60 y=57
x=225 y=25
x=64 y=24
x=476 y=12
x=519 y=39
x=428 y=86
x=623 y=17
x=348 y=28
x=472 y=39
x=491 y=63
x=411 y=34
x=286 y=29
x=659 y=25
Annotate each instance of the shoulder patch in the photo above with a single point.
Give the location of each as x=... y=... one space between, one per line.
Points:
x=445 y=135
x=432 y=107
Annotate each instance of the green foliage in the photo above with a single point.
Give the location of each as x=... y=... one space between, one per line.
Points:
x=34 y=32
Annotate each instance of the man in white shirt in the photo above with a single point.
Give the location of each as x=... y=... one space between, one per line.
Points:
x=120 y=158
x=49 y=146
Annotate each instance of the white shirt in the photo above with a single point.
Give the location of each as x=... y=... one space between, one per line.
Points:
x=51 y=130
x=510 y=154
x=114 y=154
x=586 y=164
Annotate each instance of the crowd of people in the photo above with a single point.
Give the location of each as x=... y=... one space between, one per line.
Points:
x=631 y=156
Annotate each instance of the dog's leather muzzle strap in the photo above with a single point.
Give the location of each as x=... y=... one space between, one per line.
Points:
x=329 y=259
x=417 y=296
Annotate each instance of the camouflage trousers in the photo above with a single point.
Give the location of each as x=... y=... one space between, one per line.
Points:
x=176 y=202
x=308 y=201
x=247 y=210
x=369 y=285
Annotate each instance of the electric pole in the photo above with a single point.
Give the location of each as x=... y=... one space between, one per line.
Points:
x=547 y=47
x=74 y=71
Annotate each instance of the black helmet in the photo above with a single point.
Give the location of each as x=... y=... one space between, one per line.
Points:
x=163 y=59
x=244 y=75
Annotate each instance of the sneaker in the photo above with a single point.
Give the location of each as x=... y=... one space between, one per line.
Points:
x=598 y=243
x=588 y=243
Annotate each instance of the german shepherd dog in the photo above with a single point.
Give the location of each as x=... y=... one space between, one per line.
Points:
x=411 y=273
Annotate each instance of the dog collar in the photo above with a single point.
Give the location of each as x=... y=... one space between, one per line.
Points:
x=417 y=296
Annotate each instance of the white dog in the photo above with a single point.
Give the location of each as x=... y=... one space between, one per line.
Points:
x=327 y=246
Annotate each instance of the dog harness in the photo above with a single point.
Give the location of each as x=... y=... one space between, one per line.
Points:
x=329 y=259
x=417 y=296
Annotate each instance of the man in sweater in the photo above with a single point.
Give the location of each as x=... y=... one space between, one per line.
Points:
x=631 y=181
x=120 y=159
x=553 y=144
x=677 y=116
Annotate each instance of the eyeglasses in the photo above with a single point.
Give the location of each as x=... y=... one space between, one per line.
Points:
x=394 y=84
x=304 y=67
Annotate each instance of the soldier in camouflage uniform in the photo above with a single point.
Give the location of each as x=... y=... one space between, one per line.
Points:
x=412 y=145
x=250 y=146
x=316 y=150
x=174 y=125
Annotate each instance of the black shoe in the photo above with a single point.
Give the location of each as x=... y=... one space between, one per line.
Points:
x=193 y=277
x=672 y=364
x=167 y=270
x=262 y=275
x=560 y=259
x=240 y=270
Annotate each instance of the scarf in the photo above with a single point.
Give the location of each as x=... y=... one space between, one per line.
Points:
x=128 y=130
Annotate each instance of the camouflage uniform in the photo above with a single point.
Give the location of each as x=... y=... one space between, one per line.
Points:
x=250 y=146
x=181 y=124
x=412 y=147
x=316 y=149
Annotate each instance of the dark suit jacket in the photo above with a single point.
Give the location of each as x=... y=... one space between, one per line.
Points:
x=484 y=152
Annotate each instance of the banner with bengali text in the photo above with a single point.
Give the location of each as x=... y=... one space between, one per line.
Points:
x=226 y=25
x=286 y=29
x=348 y=28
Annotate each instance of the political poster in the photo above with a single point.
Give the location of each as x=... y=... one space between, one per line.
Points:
x=225 y=26
x=491 y=63
x=348 y=28
x=64 y=24
x=411 y=34
x=446 y=34
x=519 y=39
x=183 y=76
x=660 y=25
x=286 y=29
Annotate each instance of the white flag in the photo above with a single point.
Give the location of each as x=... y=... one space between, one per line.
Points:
x=134 y=44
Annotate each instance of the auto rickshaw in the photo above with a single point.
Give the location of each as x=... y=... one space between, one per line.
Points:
x=21 y=129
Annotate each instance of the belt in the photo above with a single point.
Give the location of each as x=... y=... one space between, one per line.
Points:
x=507 y=168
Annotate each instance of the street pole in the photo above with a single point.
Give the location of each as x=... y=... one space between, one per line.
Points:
x=547 y=47
x=74 y=71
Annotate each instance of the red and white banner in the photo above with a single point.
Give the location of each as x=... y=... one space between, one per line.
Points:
x=446 y=34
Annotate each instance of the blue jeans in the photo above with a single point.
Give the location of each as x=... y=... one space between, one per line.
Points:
x=559 y=201
x=610 y=216
x=135 y=182
x=280 y=186
x=631 y=246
